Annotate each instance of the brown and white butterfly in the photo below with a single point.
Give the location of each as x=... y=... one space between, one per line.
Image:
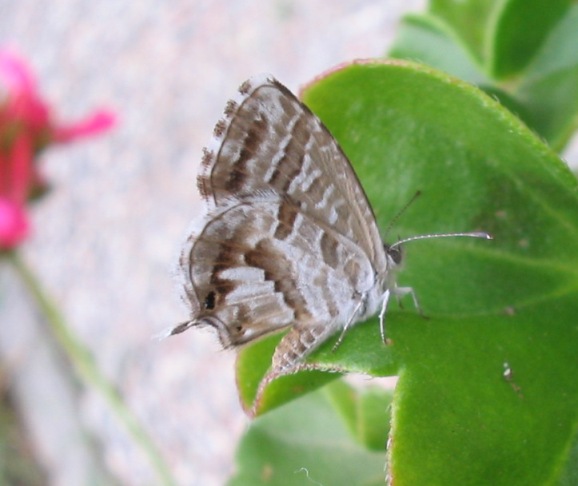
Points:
x=287 y=238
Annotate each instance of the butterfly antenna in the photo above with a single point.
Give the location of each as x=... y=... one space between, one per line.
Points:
x=395 y=219
x=472 y=234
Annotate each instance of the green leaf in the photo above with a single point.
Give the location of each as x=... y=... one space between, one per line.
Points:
x=426 y=39
x=509 y=303
x=469 y=20
x=487 y=390
x=549 y=90
x=502 y=35
x=545 y=96
x=366 y=412
x=520 y=28
x=307 y=442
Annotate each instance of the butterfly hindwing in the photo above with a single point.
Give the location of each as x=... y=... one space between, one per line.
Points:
x=246 y=280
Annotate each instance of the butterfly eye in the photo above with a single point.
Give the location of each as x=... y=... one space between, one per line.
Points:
x=394 y=253
x=210 y=300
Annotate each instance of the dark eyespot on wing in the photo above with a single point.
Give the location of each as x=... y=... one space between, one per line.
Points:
x=210 y=300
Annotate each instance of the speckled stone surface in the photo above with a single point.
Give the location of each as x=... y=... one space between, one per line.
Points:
x=107 y=237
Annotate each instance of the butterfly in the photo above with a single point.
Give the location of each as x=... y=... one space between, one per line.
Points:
x=287 y=238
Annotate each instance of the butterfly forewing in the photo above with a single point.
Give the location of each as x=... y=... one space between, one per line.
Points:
x=270 y=144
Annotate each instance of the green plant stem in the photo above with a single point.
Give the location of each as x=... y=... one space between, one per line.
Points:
x=88 y=372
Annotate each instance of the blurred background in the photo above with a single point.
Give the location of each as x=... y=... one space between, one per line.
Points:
x=107 y=237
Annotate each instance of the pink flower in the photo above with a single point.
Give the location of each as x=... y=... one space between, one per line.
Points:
x=26 y=127
x=95 y=123
x=14 y=176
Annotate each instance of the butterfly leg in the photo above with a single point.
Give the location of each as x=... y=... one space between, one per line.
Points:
x=348 y=324
x=400 y=292
x=386 y=296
